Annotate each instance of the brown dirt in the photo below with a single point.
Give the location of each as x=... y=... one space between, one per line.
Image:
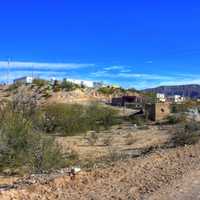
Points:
x=186 y=188
x=120 y=134
x=133 y=179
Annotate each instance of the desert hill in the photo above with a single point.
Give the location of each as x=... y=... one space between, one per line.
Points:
x=192 y=91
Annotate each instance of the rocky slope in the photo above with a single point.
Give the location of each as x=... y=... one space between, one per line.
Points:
x=134 y=179
x=46 y=95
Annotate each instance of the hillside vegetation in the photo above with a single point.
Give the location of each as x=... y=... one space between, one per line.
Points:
x=26 y=140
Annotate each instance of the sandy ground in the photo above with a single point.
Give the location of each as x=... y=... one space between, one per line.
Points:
x=120 y=135
x=163 y=174
x=186 y=188
x=135 y=179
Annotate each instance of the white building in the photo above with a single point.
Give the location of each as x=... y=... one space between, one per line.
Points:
x=176 y=99
x=98 y=84
x=160 y=97
x=85 y=83
x=24 y=80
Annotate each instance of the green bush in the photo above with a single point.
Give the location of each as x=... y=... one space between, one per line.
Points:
x=186 y=134
x=175 y=119
x=139 y=120
x=178 y=108
x=69 y=86
x=13 y=87
x=101 y=116
x=22 y=148
x=73 y=119
x=40 y=82
x=44 y=154
x=62 y=118
x=110 y=90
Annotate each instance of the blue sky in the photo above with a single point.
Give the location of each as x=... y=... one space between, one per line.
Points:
x=132 y=43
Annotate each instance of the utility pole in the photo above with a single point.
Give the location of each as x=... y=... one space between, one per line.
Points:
x=8 y=71
x=32 y=71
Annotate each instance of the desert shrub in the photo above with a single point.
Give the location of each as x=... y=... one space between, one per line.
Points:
x=57 y=88
x=107 y=140
x=24 y=102
x=101 y=116
x=114 y=155
x=45 y=154
x=13 y=87
x=183 y=107
x=47 y=94
x=69 y=86
x=150 y=97
x=73 y=119
x=192 y=126
x=186 y=134
x=109 y=90
x=175 y=119
x=40 y=82
x=64 y=118
x=20 y=147
x=92 y=138
x=106 y=90
x=139 y=120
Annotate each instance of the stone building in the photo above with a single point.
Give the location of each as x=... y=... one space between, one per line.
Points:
x=157 y=111
x=126 y=100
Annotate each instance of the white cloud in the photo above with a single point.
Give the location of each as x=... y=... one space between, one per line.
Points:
x=141 y=76
x=180 y=82
x=125 y=70
x=42 y=65
x=144 y=76
x=114 y=67
x=149 y=62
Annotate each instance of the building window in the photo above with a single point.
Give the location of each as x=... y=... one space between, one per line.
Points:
x=162 y=110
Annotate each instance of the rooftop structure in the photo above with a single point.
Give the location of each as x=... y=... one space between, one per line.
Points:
x=176 y=99
x=126 y=100
x=24 y=80
x=160 y=97
x=86 y=83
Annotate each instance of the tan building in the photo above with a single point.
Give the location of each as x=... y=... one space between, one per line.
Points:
x=157 y=111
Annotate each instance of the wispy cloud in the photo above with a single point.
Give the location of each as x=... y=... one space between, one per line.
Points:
x=146 y=80
x=42 y=65
x=119 y=74
x=149 y=62
x=114 y=67
x=143 y=76
x=127 y=75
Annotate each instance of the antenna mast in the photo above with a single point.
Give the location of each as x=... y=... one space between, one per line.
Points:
x=8 y=70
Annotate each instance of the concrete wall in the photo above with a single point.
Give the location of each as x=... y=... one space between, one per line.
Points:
x=158 y=111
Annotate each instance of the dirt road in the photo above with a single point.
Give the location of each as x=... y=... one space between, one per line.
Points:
x=188 y=188
x=130 y=180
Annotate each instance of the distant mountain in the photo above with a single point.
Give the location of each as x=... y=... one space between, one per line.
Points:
x=192 y=91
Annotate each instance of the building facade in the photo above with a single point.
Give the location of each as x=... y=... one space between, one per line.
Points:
x=157 y=111
x=24 y=80
x=160 y=97
x=176 y=99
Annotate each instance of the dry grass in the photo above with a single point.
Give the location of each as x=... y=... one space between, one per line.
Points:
x=142 y=139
